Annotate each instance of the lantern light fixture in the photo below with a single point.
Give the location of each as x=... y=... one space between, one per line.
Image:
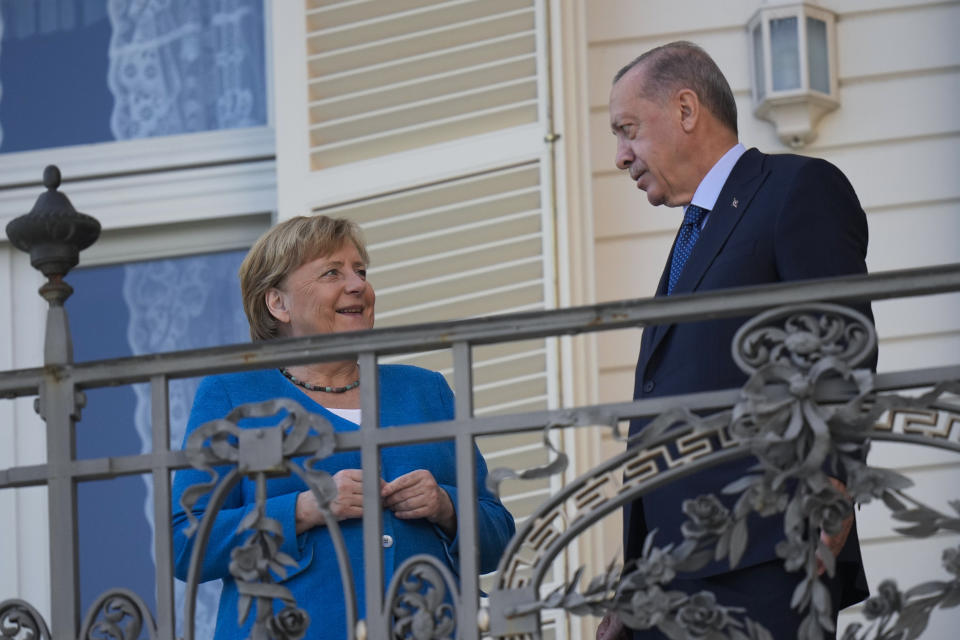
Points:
x=793 y=63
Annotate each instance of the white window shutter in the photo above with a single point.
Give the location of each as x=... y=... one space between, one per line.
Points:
x=424 y=122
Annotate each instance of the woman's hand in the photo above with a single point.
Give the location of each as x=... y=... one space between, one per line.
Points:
x=347 y=504
x=417 y=495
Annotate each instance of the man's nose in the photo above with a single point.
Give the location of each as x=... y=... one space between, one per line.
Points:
x=624 y=156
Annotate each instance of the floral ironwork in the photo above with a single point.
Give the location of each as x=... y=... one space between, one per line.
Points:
x=257 y=563
x=118 y=614
x=20 y=621
x=420 y=607
x=802 y=444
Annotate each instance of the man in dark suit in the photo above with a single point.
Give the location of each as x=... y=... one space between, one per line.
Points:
x=749 y=218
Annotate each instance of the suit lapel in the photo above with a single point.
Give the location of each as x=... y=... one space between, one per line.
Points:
x=734 y=199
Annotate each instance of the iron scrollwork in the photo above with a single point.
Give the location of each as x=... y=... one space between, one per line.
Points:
x=802 y=443
x=257 y=563
x=118 y=614
x=20 y=621
x=418 y=604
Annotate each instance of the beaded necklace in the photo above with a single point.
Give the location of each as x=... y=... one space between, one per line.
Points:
x=313 y=387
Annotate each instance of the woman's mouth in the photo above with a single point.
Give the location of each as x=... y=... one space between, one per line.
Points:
x=350 y=310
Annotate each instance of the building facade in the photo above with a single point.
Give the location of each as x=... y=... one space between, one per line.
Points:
x=470 y=139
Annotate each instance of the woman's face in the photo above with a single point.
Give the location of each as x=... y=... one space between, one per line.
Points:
x=326 y=295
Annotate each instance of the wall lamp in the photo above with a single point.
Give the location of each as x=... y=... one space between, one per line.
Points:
x=793 y=60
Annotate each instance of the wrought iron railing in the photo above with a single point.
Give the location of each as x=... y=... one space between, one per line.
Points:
x=801 y=352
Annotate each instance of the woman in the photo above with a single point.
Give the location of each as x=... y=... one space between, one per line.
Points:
x=303 y=277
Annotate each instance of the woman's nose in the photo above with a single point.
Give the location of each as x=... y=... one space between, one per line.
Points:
x=356 y=283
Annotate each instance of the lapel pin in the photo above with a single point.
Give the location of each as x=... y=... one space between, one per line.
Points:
x=734 y=203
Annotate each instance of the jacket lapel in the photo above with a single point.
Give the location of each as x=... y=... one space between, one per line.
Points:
x=734 y=199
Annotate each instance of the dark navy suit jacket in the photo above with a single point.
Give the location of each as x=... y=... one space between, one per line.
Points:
x=778 y=218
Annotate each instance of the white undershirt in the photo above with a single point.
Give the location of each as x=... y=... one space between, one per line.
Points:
x=353 y=415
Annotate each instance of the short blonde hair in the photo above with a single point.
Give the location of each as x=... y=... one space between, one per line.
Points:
x=281 y=250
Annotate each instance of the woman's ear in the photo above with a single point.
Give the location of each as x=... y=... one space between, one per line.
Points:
x=277 y=304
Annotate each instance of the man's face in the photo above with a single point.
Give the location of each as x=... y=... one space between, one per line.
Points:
x=649 y=141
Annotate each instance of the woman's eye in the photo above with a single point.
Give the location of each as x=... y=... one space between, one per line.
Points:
x=331 y=272
x=362 y=273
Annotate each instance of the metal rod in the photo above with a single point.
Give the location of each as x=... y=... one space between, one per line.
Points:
x=102 y=468
x=518 y=326
x=58 y=407
x=466 y=495
x=372 y=510
x=162 y=525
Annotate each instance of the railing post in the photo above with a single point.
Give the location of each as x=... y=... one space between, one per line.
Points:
x=163 y=534
x=466 y=496
x=54 y=233
x=374 y=620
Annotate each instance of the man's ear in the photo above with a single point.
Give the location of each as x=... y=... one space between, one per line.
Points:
x=277 y=304
x=689 y=107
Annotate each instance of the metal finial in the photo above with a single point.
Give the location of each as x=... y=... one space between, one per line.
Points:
x=54 y=234
x=51 y=177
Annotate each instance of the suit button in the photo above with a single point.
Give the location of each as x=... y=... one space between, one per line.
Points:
x=648 y=386
x=387 y=541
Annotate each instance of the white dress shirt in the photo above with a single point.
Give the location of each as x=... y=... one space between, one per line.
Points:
x=712 y=184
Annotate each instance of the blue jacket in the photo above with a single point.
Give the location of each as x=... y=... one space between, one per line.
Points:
x=408 y=395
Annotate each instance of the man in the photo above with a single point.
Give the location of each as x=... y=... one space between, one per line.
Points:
x=749 y=218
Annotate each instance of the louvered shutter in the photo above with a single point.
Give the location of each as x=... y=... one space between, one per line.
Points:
x=386 y=77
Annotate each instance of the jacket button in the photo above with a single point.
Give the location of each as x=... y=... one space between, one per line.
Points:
x=387 y=541
x=648 y=386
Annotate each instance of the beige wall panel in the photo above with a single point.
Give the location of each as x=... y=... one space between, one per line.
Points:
x=623 y=19
x=616 y=385
x=918 y=317
x=892 y=231
x=903 y=172
x=911 y=106
x=933 y=486
x=909 y=562
x=621 y=210
x=906 y=457
x=618 y=350
x=938 y=350
x=630 y=267
x=727 y=46
x=853 y=7
x=904 y=41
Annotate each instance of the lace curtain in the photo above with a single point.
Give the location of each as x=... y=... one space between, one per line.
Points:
x=181 y=66
x=182 y=303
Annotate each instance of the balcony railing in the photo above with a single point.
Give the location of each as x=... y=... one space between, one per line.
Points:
x=849 y=400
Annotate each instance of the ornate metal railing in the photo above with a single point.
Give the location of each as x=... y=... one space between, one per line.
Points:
x=806 y=406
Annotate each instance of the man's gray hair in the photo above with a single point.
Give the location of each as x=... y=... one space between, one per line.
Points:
x=684 y=65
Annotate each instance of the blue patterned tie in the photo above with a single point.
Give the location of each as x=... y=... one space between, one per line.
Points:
x=689 y=232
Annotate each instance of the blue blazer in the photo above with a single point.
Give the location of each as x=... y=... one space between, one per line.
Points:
x=408 y=395
x=778 y=218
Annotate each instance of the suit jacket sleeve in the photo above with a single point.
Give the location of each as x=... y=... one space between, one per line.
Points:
x=822 y=230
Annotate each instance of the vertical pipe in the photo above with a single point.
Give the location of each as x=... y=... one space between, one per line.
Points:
x=372 y=514
x=163 y=537
x=466 y=495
